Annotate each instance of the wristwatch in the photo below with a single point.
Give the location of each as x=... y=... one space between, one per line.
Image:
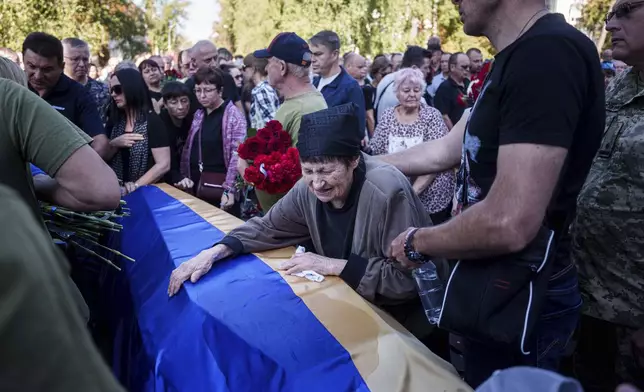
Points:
x=410 y=253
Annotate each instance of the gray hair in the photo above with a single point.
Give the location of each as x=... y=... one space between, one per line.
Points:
x=125 y=65
x=75 y=43
x=297 y=70
x=10 y=70
x=411 y=75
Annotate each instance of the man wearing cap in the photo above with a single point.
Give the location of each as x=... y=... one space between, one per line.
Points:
x=349 y=206
x=289 y=60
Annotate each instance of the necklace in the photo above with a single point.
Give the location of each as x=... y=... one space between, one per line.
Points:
x=530 y=20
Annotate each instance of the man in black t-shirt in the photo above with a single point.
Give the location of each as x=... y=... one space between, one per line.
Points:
x=451 y=96
x=524 y=152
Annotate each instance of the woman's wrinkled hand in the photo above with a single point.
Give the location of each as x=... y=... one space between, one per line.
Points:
x=186 y=183
x=192 y=269
x=313 y=262
x=126 y=140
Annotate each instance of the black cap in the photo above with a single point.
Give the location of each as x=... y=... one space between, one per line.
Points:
x=330 y=132
x=288 y=47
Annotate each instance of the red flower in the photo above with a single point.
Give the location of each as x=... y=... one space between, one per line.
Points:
x=251 y=148
x=293 y=154
x=274 y=126
x=275 y=144
x=286 y=139
x=264 y=134
x=253 y=175
x=462 y=100
x=280 y=164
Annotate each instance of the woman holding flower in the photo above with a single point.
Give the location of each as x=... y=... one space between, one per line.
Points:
x=209 y=160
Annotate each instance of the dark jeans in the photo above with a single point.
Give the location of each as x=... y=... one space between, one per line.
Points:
x=551 y=336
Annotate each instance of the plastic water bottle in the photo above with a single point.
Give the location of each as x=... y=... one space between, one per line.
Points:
x=430 y=290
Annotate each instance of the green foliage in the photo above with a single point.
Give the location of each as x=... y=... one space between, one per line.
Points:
x=592 y=20
x=369 y=26
x=95 y=21
x=164 y=19
x=592 y=17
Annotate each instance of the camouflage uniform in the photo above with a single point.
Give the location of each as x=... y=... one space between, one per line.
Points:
x=608 y=234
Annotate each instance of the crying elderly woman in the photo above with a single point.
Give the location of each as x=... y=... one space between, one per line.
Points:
x=348 y=205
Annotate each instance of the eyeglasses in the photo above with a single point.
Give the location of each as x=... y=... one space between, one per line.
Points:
x=116 y=90
x=623 y=10
x=205 y=91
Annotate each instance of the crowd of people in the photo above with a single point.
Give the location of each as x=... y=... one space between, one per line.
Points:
x=519 y=177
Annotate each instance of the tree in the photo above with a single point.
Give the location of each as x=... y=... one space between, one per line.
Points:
x=164 y=18
x=96 y=21
x=368 y=26
x=592 y=20
x=223 y=29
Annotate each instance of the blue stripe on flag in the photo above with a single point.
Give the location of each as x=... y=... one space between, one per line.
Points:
x=241 y=328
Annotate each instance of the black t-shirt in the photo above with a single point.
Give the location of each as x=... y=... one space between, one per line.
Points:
x=155 y=95
x=451 y=99
x=547 y=89
x=336 y=224
x=212 y=145
x=369 y=93
x=157 y=138
x=70 y=99
x=177 y=136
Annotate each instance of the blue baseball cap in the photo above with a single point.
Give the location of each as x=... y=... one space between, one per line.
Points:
x=287 y=47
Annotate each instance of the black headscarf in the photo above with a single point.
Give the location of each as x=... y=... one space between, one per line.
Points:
x=330 y=132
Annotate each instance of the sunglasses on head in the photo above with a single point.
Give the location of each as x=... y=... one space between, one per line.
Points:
x=623 y=10
x=118 y=90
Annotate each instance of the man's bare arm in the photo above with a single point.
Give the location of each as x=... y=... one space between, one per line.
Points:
x=101 y=144
x=509 y=218
x=83 y=183
x=434 y=156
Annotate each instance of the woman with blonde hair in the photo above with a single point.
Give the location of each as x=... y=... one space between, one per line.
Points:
x=10 y=70
x=409 y=123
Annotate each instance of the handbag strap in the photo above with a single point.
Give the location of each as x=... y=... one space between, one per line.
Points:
x=200 y=165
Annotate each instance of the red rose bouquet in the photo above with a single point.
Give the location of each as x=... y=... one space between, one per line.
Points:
x=274 y=164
